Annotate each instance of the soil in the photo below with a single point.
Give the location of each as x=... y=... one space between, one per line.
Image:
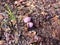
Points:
x=45 y=16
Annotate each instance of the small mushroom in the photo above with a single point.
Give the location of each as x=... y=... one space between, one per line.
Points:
x=26 y=19
x=30 y=24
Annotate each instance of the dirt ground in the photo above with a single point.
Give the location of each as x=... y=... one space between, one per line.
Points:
x=45 y=16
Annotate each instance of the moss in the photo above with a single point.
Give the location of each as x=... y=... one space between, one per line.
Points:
x=10 y=13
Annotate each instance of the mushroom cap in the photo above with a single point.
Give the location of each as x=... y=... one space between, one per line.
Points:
x=30 y=24
x=26 y=19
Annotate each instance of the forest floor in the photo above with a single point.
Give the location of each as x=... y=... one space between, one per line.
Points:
x=45 y=16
